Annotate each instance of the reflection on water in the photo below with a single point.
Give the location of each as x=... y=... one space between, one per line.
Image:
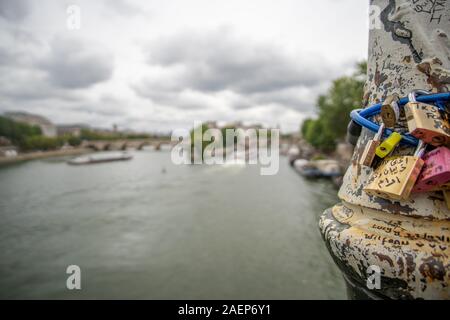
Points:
x=148 y=229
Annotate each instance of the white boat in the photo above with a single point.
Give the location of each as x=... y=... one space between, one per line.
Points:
x=100 y=158
x=317 y=168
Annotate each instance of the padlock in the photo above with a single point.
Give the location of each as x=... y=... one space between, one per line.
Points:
x=353 y=132
x=390 y=111
x=435 y=172
x=396 y=176
x=368 y=155
x=426 y=123
x=447 y=198
x=388 y=145
x=443 y=187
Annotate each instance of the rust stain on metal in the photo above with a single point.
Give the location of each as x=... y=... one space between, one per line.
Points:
x=432 y=269
x=379 y=77
x=437 y=76
x=401 y=266
x=410 y=264
x=383 y=257
x=413 y=253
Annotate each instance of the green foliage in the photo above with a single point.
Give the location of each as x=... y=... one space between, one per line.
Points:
x=361 y=69
x=318 y=157
x=307 y=124
x=318 y=136
x=29 y=138
x=41 y=143
x=345 y=94
x=72 y=140
x=17 y=132
x=87 y=134
x=197 y=139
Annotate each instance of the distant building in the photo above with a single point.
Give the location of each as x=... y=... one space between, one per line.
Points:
x=241 y=125
x=71 y=129
x=48 y=129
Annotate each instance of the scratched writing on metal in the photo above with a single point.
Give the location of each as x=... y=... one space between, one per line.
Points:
x=434 y=8
x=431 y=112
x=385 y=240
x=432 y=167
x=435 y=173
x=400 y=232
x=426 y=122
x=438 y=242
x=392 y=168
x=396 y=242
x=395 y=177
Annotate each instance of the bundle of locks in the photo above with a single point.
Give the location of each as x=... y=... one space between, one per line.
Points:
x=428 y=169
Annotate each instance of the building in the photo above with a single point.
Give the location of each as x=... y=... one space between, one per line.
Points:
x=48 y=129
x=71 y=129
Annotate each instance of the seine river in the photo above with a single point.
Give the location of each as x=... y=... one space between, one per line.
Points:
x=147 y=229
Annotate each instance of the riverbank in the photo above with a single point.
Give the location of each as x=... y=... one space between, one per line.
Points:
x=44 y=154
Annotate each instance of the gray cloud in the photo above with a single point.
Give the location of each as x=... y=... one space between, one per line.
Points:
x=186 y=75
x=235 y=72
x=6 y=55
x=14 y=10
x=222 y=61
x=17 y=47
x=73 y=64
x=123 y=7
x=39 y=77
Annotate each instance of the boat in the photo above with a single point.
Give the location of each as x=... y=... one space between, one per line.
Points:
x=293 y=154
x=100 y=158
x=317 y=168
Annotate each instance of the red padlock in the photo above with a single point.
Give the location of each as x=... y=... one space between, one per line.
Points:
x=435 y=171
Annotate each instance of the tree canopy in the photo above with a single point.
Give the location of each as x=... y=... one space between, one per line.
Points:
x=17 y=132
x=334 y=107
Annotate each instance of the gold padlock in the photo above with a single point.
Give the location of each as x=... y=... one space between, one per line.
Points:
x=425 y=122
x=368 y=155
x=396 y=176
x=447 y=198
x=444 y=187
x=390 y=111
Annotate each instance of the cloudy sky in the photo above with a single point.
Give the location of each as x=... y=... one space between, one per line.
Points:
x=159 y=65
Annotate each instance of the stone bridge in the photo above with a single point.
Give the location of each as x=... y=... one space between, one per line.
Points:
x=125 y=144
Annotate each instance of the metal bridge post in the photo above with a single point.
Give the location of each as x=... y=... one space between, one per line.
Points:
x=408 y=241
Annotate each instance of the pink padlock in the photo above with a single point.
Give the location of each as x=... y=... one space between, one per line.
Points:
x=435 y=171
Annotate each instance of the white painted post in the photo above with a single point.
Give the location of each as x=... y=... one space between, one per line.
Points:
x=409 y=48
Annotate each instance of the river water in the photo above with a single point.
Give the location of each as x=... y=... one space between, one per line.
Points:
x=147 y=229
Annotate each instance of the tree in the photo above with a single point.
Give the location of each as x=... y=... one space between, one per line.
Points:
x=41 y=143
x=334 y=107
x=17 y=132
